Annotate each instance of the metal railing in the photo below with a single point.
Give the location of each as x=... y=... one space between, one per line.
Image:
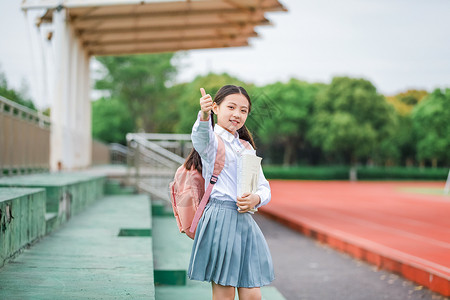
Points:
x=153 y=159
x=118 y=154
x=24 y=139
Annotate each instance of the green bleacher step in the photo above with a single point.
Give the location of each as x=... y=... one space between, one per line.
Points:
x=170 y=277
x=85 y=259
x=161 y=208
x=22 y=219
x=114 y=187
x=143 y=232
x=67 y=193
x=51 y=220
x=171 y=252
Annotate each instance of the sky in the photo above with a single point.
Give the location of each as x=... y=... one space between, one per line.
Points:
x=396 y=44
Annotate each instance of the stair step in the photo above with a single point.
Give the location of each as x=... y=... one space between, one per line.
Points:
x=86 y=259
x=171 y=252
x=22 y=213
x=161 y=208
x=51 y=220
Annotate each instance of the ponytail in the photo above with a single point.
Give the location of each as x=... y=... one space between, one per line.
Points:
x=193 y=160
x=245 y=134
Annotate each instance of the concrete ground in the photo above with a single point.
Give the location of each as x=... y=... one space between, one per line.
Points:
x=307 y=270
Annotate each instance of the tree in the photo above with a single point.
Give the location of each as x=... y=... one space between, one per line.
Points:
x=281 y=114
x=168 y=112
x=351 y=121
x=404 y=103
x=432 y=127
x=140 y=82
x=13 y=95
x=111 y=121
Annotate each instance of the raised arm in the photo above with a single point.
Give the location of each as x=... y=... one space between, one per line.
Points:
x=206 y=105
x=203 y=138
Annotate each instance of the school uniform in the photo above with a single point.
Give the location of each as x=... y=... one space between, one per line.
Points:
x=229 y=248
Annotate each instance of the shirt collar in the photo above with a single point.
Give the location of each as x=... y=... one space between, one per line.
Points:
x=225 y=134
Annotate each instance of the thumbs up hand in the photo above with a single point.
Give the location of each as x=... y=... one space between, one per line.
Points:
x=206 y=104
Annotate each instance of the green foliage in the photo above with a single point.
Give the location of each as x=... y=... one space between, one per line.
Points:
x=405 y=102
x=13 y=95
x=364 y=173
x=404 y=139
x=140 y=82
x=352 y=121
x=432 y=127
x=111 y=121
x=168 y=112
x=281 y=114
x=401 y=173
x=294 y=122
x=307 y=172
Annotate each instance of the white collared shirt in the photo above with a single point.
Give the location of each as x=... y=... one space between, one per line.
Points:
x=205 y=143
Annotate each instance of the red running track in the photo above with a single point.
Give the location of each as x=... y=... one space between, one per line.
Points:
x=384 y=223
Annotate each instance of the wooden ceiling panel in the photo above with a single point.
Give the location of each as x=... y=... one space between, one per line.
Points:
x=199 y=38
x=167 y=28
x=163 y=47
x=155 y=21
x=153 y=7
x=179 y=33
x=194 y=14
x=159 y=50
x=108 y=27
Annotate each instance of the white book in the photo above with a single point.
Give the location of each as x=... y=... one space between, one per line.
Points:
x=251 y=165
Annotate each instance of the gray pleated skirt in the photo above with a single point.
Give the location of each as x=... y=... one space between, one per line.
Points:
x=229 y=248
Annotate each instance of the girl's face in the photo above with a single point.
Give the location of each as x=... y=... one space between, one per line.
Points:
x=232 y=112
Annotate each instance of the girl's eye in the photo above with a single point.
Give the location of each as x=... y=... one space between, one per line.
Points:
x=230 y=107
x=244 y=111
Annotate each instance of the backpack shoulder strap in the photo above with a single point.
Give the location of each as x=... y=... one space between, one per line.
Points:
x=246 y=144
x=219 y=163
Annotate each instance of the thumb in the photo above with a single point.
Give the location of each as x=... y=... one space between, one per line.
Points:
x=202 y=90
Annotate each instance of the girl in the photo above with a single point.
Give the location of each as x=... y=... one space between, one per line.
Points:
x=229 y=249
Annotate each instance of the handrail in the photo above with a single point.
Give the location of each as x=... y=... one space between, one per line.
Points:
x=155 y=147
x=24 y=139
x=165 y=136
x=150 y=156
x=118 y=148
x=22 y=111
x=152 y=164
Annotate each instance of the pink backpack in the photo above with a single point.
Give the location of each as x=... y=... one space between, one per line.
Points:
x=188 y=187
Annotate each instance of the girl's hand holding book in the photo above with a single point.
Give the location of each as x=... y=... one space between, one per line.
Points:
x=247 y=202
x=206 y=105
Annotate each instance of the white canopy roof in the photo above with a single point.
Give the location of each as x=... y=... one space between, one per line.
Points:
x=115 y=27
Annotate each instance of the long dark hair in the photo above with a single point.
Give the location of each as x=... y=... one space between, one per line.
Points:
x=193 y=158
